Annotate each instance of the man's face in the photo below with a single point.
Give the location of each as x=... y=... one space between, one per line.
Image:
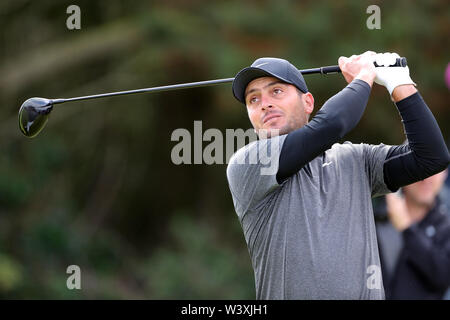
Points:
x=275 y=105
x=425 y=191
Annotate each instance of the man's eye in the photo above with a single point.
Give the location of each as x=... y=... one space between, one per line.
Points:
x=277 y=91
x=253 y=100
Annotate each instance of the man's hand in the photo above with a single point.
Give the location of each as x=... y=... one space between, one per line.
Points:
x=393 y=77
x=397 y=212
x=358 y=67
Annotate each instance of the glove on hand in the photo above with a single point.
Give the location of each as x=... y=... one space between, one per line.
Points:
x=391 y=77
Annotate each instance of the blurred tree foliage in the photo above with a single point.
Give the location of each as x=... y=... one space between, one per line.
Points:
x=98 y=189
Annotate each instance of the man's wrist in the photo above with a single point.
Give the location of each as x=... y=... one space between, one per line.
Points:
x=403 y=91
x=366 y=76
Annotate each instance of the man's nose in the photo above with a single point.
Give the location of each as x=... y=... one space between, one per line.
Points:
x=266 y=102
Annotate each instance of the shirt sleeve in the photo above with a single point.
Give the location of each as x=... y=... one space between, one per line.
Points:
x=251 y=173
x=374 y=156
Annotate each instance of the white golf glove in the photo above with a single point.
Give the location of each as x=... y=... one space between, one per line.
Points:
x=391 y=77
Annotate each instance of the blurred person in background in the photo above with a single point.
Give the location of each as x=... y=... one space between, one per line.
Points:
x=413 y=229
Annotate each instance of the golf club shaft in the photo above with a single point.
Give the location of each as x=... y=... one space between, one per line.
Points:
x=153 y=89
x=323 y=70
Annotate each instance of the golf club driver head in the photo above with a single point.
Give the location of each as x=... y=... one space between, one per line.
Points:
x=33 y=115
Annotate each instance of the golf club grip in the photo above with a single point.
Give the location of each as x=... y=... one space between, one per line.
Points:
x=400 y=62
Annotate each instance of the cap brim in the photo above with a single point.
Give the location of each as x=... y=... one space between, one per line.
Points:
x=247 y=75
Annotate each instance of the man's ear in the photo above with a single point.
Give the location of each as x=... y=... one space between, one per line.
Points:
x=308 y=102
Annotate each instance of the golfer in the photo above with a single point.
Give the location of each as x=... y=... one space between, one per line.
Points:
x=309 y=223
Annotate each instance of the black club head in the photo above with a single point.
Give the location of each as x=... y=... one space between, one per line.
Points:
x=33 y=115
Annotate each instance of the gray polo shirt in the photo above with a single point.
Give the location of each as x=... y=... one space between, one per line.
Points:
x=313 y=236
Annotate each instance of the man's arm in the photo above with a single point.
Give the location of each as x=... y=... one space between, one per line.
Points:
x=426 y=153
x=337 y=117
x=340 y=114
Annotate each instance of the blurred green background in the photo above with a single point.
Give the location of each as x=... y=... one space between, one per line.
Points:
x=97 y=187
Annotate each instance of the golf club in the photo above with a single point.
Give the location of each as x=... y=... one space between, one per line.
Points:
x=34 y=112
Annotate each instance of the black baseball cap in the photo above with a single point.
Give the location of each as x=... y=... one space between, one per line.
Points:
x=267 y=67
